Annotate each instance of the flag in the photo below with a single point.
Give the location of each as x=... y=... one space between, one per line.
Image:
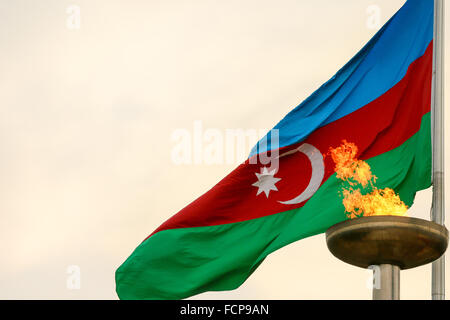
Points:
x=380 y=101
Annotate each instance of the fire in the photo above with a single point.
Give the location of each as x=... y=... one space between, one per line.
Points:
x=349 y=168
x=357 y=172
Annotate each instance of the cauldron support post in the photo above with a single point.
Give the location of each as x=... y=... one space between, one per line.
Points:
x=389 y=282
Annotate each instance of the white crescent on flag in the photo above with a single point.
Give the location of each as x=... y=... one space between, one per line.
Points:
x=318 y=172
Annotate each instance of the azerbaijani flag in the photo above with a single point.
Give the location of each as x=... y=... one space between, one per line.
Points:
x=380 y=101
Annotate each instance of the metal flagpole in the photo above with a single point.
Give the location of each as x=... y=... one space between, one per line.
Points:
x=438 y=206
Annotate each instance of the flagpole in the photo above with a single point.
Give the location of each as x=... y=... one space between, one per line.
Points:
x=438 y=205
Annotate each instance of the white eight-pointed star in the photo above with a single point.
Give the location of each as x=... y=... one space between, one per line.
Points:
x=266 y=181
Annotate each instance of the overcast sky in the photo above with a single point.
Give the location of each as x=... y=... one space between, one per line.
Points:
x=87 y=114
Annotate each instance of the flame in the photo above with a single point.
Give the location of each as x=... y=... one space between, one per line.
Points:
x=348 y=167
x=357 y=172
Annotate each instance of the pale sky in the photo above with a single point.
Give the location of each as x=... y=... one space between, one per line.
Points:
x=87 y=116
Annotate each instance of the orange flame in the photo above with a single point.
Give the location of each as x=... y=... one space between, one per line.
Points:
x=349 y=168
x=357 y=172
